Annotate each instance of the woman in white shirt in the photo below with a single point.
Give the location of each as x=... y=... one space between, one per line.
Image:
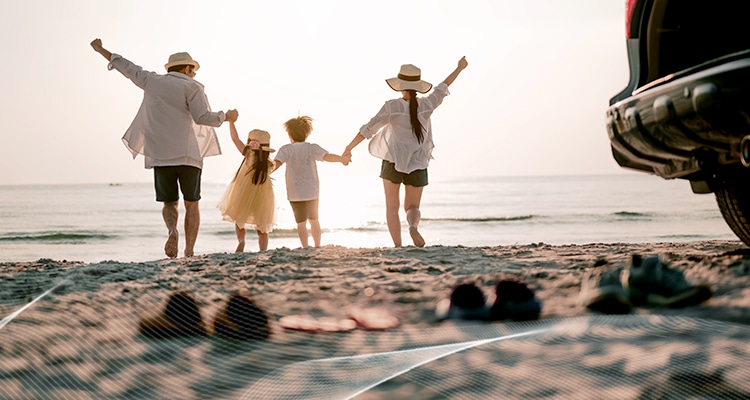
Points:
x=401 y=136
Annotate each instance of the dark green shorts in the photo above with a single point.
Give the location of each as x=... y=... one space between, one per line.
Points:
x=416 y=178
x=167 y=178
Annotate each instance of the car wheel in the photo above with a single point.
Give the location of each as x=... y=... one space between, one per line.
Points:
x=733 y=196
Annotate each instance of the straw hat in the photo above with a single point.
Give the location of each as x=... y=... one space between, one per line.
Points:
x=409 y=78
x=263 y=138
x=181 y=58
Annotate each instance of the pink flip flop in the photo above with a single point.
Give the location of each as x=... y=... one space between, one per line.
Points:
x=306 y=322
x=373 y=318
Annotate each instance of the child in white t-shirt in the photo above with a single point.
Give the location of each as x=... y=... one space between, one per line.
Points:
x=302 y=183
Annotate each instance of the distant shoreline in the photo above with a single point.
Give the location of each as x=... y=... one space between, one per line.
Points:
x=369 y=176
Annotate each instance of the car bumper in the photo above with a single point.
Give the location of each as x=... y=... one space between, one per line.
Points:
x=684 y=124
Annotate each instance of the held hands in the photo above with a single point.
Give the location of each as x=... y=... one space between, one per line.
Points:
x=231 y=116
x=347 y=158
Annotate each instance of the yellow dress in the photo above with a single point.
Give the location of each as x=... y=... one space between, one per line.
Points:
x=248 y=205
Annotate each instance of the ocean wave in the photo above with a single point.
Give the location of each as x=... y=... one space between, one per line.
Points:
x=481 y=219
x=292 y=232
x=54 y=237
x=277 y=232
x=631 y=214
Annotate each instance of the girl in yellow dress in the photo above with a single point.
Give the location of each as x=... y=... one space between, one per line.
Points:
x=249 y=200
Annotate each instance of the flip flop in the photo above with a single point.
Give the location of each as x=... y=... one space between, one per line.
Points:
x=179 y=316
x=373 y=318
x=306 y=322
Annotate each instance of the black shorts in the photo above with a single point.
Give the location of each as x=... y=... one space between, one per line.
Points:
x=305 y=210
x=416 y=178
x=166 y=178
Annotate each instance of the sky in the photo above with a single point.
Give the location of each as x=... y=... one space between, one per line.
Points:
x=531 y=102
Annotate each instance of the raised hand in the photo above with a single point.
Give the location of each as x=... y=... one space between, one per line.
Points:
x=96 y=44
x=462 y=63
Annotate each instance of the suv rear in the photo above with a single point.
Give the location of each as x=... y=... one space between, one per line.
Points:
x=685 y=113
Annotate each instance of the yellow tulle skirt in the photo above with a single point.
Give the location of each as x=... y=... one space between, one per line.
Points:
x=248 y=205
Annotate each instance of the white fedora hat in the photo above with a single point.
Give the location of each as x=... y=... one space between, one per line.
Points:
x=409 y=78
x=181 y=58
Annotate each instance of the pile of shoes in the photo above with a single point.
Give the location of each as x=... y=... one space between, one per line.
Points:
x=648 y=282
x=510 y=300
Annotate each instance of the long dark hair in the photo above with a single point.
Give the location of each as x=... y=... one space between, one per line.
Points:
x=416 y=126
x=260 y=165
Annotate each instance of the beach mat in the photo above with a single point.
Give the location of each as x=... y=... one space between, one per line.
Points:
x=613 y=357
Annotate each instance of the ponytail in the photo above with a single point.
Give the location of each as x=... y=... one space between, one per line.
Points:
x=416 y=126
x=260 y=165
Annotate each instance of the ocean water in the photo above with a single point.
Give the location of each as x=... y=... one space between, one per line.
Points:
x=122 y=222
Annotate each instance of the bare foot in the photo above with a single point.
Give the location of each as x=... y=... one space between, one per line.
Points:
x=188 y=253
x=240 y=247
x=416 y=237
x=170 y=248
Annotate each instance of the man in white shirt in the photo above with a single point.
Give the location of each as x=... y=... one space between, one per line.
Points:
x=173 y=130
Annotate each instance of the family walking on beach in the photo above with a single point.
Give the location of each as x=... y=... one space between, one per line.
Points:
x=174 y=131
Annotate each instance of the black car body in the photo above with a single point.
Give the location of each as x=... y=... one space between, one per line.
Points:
x=685 y=113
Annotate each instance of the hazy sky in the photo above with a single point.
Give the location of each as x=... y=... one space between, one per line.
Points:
x=531 y=102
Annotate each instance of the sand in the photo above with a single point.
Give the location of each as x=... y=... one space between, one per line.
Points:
x=82 y=341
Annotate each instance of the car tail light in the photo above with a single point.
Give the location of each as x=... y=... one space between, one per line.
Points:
x=629 y=10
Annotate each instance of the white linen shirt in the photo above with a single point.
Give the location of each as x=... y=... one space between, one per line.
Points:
x=174 y=124
x=392 y=135
x=302 y=183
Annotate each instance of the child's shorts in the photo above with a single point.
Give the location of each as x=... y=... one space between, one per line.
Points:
x=304 y=210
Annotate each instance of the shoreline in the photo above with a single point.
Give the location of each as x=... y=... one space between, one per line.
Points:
x=91 y=323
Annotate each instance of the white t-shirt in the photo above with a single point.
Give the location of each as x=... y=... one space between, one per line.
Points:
x=392 y=135
x=302 y=183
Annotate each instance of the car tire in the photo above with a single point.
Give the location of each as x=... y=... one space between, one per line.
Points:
x=733 y=197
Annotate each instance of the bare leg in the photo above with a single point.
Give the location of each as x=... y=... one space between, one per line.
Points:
x=170 y=214
x=412 y=198
x=391 y=210
x=240 y=239
x=316 y=232
x=262 y=240
x=192 y=223
x=302 y=233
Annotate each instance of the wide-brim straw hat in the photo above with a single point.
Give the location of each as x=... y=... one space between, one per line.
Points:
x=409 y=78
x=262 y=137
x=181 y=58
